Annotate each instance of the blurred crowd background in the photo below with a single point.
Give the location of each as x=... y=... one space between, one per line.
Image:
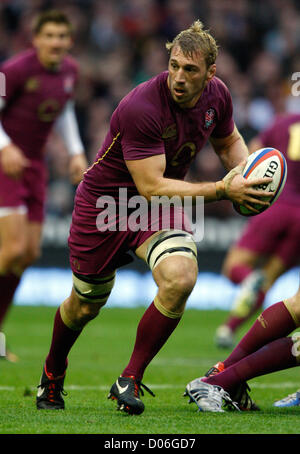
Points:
x=121 y=43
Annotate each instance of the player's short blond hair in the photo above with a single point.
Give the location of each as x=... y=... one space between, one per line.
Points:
x=195 y=39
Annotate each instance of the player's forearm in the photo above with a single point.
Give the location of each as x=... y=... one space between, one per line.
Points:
x=211 y=191
x=5 y=140
x=231 y=150
x=66 y=126
x=234 y=154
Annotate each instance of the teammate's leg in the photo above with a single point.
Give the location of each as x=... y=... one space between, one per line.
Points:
x=276 y=322
x=33 y=246
x=253 y=290
x=13 y=237
x=20 y=241
x=239 y=263
x=264 y=349
x=239 y=266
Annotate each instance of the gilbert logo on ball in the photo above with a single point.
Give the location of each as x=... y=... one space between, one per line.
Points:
x=265 y=162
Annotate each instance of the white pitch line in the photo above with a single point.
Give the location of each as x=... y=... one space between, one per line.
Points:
x=281 y=385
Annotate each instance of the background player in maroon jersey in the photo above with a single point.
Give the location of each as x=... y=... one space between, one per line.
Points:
x=39 y=88
x=155 y=133
x=270 y=243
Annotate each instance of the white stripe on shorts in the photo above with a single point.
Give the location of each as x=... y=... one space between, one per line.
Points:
x=6 y=211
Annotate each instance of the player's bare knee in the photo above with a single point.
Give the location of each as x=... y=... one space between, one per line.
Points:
x=178 y=280
x=12 y=254
x=30 y=257
x=172 y=257
x=87 y=312
x=91 y=293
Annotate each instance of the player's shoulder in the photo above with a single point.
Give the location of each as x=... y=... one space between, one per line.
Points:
x=217 y=87
x=22 y=60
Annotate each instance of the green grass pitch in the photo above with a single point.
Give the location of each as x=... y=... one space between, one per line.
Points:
x=97 y=358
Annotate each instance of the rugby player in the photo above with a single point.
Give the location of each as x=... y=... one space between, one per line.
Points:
x=155 y=133
x=39 y=88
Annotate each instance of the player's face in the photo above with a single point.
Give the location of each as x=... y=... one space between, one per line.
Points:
x=188 y=76
x=52 y=43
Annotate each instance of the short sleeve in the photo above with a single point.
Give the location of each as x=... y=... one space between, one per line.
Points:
x=13 y=78
x=141 y=131
x=225 y=122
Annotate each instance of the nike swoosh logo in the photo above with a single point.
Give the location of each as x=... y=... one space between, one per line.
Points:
x=39 y=391
x=121 y=389
x=86 y=292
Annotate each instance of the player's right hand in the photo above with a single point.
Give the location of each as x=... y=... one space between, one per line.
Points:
x=13 y=161
x=244 y=192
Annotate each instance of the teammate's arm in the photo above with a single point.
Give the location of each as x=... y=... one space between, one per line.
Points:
x=66 y=126
x=231 y=150
x=148 y=175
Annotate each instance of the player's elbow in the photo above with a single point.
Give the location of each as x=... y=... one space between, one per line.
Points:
x=149 y=190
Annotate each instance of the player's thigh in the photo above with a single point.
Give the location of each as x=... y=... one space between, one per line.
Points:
x=13 y=233
x=33 y=243
x=273 y=269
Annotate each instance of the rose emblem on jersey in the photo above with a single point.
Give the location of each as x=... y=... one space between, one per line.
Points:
x=209 y=117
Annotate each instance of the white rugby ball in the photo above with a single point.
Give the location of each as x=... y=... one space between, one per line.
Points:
x=265 y=162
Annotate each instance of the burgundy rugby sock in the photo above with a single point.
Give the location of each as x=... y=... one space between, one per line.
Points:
x=275 y=356
x=275 y=322
x=153 y=331
x=63 y=339
x=8 y=286
x=237 y=274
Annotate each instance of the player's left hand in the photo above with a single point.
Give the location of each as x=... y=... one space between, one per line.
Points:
x=78 y=165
